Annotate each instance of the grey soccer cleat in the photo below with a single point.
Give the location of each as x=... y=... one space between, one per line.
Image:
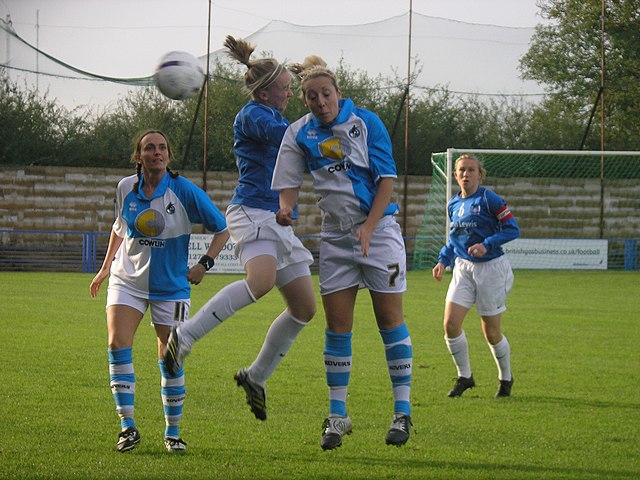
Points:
x=128 y=439
x=175 y=445
x=334 y=428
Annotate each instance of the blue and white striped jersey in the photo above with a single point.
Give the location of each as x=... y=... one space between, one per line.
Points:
x=346 y=159
x=483 y=217
x=152 y=261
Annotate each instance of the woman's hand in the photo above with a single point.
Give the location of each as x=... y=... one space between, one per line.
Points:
x=196 y=273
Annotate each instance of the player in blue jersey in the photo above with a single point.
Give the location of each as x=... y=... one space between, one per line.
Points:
x=147 y=266
x=481 y=223
x=270 y=253
x=347 y=150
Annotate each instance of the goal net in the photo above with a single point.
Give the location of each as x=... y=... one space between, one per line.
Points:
x=575 y=209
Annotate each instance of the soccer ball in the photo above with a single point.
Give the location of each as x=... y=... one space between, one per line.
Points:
x=179 y=75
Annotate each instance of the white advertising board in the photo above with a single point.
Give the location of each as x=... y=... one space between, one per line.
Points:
x=225 y=262
x=560 y=254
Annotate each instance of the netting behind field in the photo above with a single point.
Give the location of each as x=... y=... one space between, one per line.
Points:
x=465 y=58
x=553 y=195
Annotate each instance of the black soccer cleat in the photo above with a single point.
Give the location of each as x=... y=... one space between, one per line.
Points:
x=504 y=390
x=398 y=434
x=256 y=394
x=128 y=439
x=175 y=353
x=462 y=384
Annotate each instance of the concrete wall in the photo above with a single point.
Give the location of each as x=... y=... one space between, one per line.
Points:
x=82 y=199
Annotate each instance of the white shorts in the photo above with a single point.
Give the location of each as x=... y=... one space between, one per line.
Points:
x=255 y=232
x=163 y=312
x=485 y=284
x=342 y=264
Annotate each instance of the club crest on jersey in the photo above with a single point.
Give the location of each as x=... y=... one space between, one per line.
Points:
x=171 y=209
x=150 y=223
x=354 y=132
x=475 y=209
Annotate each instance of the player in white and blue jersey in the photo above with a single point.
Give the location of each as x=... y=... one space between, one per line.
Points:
x=347 y=150
x=147 y=266
x=270 y=253
x=481 y=223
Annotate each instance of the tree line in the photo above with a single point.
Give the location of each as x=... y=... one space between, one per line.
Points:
x=565 y=56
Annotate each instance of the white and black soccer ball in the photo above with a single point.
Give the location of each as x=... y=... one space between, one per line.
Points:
x=179 y=75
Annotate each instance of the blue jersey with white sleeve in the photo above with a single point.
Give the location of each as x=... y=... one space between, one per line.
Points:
x=483 y=217
x=346 y=158
x=152 y=261
x=258 y=130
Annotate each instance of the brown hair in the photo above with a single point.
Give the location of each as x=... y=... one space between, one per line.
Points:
x=135 y=156
x=260 y=73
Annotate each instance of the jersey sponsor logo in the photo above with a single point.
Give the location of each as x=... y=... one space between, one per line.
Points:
x=354 y=132
x=504 y=214
x=150 y=223
x=151 y=242
x=462 y=225
x=312 y=134
x=331 y=149
x=346 y=165
x=170 y=209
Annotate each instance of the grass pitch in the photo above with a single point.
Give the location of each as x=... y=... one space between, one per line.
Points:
x=574 y=413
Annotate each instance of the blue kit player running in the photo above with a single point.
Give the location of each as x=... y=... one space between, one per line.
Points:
x=481 y=223
x=147 y=266
x=347 y=150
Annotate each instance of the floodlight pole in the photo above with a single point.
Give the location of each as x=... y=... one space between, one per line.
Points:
x=206 y=104
x=406 y=128
x=602 y=119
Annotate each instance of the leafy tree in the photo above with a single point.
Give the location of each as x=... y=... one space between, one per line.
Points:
x=566 y=56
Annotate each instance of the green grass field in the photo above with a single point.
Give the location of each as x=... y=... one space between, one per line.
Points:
x=574 y=413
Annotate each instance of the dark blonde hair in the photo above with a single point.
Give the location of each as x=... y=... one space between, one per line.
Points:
x=312 y=67
x=260 y=73
x=135 y=156
x=469 y=156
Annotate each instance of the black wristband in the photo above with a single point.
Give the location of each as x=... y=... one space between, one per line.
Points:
x=207 y=262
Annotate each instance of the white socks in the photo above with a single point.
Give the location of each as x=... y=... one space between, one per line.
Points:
x=459 y=349
x=280 y=337
x=502 y=354
x=225 y=303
